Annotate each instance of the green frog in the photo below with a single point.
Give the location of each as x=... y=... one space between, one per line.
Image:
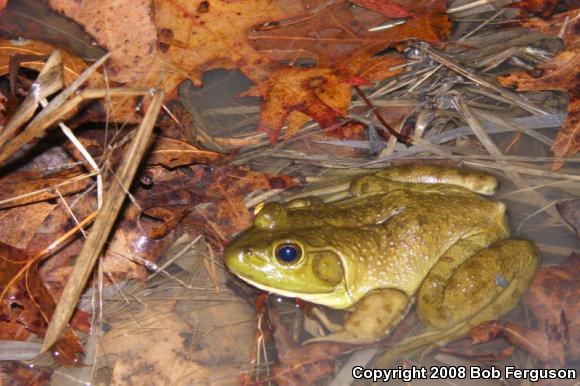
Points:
x=404 y=235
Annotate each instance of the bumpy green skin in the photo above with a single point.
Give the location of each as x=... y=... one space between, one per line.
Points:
x=405 y=233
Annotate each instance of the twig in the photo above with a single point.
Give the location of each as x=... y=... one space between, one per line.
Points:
x=406 y=140
x=103 y=225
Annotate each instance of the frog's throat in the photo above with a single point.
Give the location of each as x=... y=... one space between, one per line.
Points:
x=338 y=299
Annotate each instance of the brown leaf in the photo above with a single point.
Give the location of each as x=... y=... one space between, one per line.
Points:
x=25 y=184
x=22 y=287
x=73 y=65
x=302 y=365
x=15 y=373
x=386 y=7
x=554 y=300
x=198 y=36
x=221 y=191
x=320 y=93
x=543 y=8
x=570 y=211
x=125 y=28
x=334 y=34
x=172 y=153
x=560 y=73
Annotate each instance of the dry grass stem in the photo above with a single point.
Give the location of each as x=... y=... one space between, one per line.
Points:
x=103 y=224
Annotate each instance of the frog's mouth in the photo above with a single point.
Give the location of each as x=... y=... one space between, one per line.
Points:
x=334 y=299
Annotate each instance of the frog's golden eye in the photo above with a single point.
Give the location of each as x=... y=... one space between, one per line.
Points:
x=288 y=253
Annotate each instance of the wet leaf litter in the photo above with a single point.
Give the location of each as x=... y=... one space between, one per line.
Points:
x=335 y=81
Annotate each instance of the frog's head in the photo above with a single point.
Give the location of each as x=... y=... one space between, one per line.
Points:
x=287 y=260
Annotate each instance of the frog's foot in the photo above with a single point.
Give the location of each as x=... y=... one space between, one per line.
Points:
x=475 y=289
x=453 y=300
x=372 y=319
x=326 y=322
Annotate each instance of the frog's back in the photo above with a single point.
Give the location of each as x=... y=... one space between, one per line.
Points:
x=419 y=226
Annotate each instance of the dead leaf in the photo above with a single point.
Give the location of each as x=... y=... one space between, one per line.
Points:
x=16 y=373
x=570 y=211
x=386 y=7
x=298 y=364
x=72 y=64
x=320 y=93
x=158 y=341
x=34 y=186
x=335 y=34
x=125 y=28
x=172 y=153
x=543 y=8
x=553 y=298
x=21 y=288
x=213 y=197
x=560 y=73
x=198 y=36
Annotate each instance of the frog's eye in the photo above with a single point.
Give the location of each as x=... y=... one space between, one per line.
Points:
x=288 y=253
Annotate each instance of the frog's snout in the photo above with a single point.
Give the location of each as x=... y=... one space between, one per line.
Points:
x=233 y=257
x=239 y=258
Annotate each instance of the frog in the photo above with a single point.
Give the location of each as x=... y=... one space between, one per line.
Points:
x=408 y=235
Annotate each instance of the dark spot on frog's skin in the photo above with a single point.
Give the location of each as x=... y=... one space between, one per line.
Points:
x=387 y=308
x=203 y=7
x=378 y=320
x=422 y=220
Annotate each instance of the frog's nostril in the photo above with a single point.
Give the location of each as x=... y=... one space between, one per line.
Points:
x=247 y=251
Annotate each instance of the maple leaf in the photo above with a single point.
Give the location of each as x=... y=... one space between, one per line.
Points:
x=338 y=33
x=560 y=73
x=198 y=36
x=321 y=93
x=386 y=7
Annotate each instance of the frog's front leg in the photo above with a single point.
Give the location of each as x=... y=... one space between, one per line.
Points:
x=373 y=317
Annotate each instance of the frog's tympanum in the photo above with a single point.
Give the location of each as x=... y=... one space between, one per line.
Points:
x=405 y=234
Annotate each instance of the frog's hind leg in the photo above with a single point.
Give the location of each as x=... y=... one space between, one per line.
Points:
x=474 y=180
x=483 y=287
x=374 y=316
